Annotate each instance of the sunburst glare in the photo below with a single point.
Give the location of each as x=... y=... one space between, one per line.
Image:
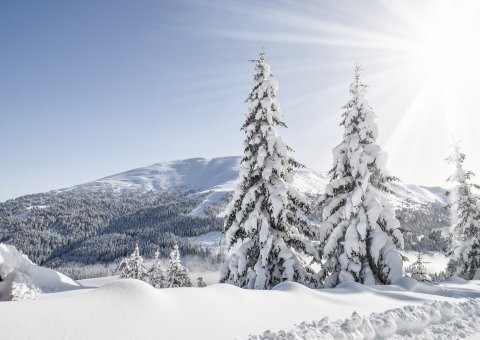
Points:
x=422 y=61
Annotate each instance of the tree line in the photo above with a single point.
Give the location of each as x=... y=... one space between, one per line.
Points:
x=359 y=235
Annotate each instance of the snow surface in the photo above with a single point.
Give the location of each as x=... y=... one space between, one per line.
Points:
x=131 y=309
x=434 y=320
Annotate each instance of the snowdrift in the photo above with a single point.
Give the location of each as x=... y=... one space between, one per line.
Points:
x=131 y=309
x=22 y=279
x=436 y=320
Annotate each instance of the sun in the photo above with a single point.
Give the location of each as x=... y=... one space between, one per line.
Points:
x=421 y=61
x=445 y=45
x=443 y=54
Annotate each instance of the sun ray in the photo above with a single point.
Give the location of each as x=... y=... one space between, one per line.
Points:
x=422 y=62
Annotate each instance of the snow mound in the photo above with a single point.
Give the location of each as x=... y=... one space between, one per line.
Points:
x=351 y=287
x=128 y=289
x=434 y=320
x=18 y=286
x=131 y=309
x=12 y=260
x=457 y=280
x=465 y=289
x=49 y=280
x=21 y=279
x=292 y=287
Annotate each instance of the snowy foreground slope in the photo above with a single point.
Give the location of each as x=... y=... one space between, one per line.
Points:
x=131 y=309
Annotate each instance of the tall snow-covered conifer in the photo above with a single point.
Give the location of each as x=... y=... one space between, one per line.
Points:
x=266 y=228
x=359 y=233
x=465 y=261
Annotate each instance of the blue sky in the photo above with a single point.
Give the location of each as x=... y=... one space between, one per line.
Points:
x=93 y=88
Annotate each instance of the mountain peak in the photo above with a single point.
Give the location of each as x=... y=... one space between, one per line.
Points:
x=196 y=174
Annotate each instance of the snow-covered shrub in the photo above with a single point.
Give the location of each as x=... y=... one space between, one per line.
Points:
x=267 y=231
x=359 y=233
x=201 y=283
x=15 y=283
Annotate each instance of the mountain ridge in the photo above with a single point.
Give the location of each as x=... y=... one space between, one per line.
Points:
x=221 y=173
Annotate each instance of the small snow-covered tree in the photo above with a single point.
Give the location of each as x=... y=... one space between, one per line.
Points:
x=417 y=270
x=266 y=229
x=132 y=267
x=155 y=275
x=177 y=274
x=359 y=232
x=465 y=205
x=200 y=282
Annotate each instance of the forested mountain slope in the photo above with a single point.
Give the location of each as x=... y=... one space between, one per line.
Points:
x=100 y=221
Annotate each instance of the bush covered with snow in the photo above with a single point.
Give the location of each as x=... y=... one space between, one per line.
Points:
x=15 y=283
x=21 y=279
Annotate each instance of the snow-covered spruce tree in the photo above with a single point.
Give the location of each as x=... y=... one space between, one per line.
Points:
x=417 y=270
x=266 y=229
x=177 y=275
x=465 y=257
x=132 y=267
x=155 y=275
x=359 y=233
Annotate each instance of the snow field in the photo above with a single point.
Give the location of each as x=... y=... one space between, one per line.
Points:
x=434 y=320
x=132 y=309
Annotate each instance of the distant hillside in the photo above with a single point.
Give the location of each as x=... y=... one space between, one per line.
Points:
x=178 y=201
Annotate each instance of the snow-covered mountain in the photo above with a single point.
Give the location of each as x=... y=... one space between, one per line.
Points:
x=220 y=175
x=178 y=201
x=421 y=209
x=195 y=175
